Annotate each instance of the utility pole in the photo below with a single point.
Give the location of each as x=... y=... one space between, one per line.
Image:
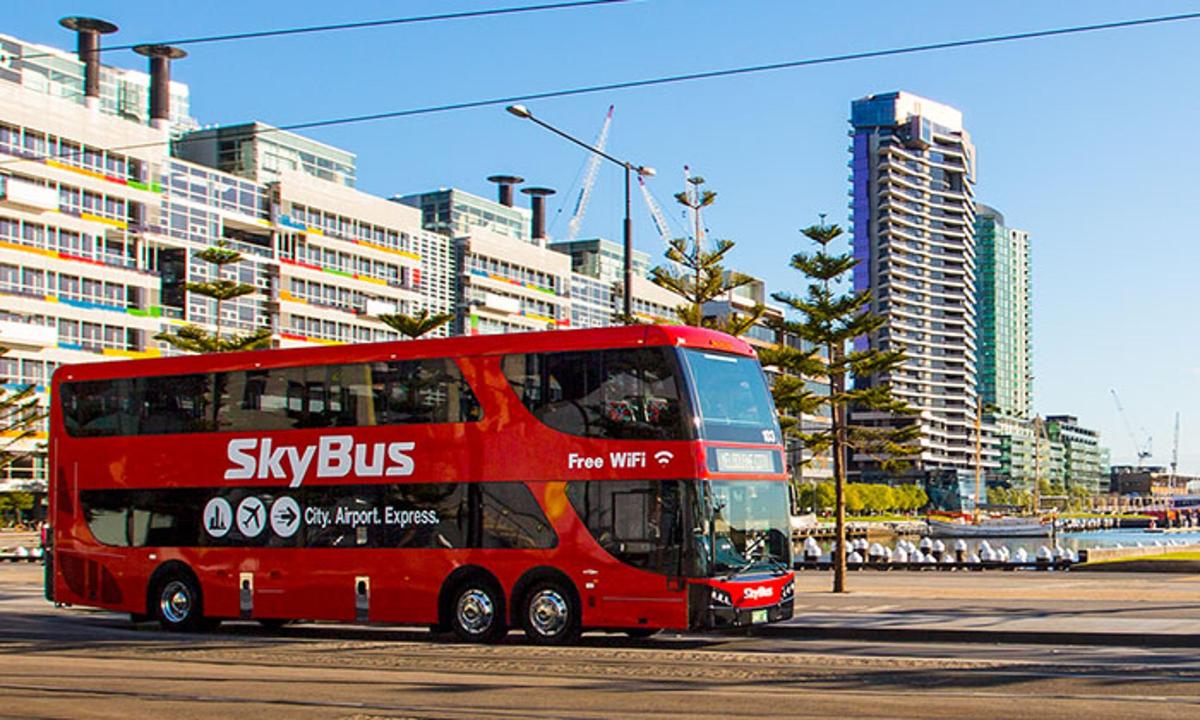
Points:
x=1175 y=451
x=978 y=456
x=1037 y=463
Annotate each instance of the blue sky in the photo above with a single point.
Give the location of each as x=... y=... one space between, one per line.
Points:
x=1085 y=141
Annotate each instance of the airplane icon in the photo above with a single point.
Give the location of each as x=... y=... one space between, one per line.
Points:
x=251 y=515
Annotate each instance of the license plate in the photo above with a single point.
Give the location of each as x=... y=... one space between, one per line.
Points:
x=758 y=616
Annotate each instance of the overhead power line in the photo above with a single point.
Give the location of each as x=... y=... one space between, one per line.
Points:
x=359 y=25
x=705 y=75
x=745 y=70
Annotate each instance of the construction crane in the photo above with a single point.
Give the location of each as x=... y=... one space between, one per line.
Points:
x=656 y=213
x=589 y=178
x=1142 y=449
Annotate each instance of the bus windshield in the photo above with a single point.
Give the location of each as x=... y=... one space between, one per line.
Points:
x=746 y=526
x=688 y=528
x=734 y=402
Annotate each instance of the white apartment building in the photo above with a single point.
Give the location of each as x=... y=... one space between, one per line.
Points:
x=100 y=223
x=913 y=176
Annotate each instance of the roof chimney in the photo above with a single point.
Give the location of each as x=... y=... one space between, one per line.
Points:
x=504 y=186
x=160 y=80
x=538 y=202
x=88 y=31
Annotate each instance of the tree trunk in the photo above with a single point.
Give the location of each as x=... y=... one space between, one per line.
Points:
x=838 y=416
x=218 y=335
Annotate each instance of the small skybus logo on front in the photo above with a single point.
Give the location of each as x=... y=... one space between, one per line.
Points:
x=757 y=593
x=335 y=455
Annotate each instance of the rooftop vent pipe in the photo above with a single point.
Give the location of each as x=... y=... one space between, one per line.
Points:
x=160 y=80
x=538 y=202
x=88 y=31
x=504 y=187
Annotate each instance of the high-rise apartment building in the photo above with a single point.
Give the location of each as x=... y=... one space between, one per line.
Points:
x=1005 y=366
x=913 y=214
x=1003 y=321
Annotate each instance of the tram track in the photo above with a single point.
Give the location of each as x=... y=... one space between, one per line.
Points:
x=650 y=663
x=1183 y=705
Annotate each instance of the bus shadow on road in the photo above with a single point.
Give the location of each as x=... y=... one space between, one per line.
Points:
x=322 y=631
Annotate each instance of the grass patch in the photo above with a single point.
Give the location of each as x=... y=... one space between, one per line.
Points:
x=1092 y=516
x=1186 y=555
x=876 y=518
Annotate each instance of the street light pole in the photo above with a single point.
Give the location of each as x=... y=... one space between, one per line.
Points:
x=524 y=113
x=628 y=268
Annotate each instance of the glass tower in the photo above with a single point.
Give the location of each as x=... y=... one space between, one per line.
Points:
x=1005 y=360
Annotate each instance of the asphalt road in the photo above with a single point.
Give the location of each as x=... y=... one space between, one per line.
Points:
x=76 y=663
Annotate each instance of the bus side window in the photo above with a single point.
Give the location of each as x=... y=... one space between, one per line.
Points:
x=511 y=518
x=618 y=394
x=422 y=391
x=175 y=404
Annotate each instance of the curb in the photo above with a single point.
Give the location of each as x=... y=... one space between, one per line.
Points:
x=991 y=637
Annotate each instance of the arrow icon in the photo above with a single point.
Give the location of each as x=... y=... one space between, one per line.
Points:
x=285 y=516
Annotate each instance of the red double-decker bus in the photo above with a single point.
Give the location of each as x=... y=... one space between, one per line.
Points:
x=621 y=479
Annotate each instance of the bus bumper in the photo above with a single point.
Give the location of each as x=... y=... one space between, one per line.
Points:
x=717 y=618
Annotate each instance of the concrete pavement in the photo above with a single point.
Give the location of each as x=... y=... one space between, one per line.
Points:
x=1133 y=609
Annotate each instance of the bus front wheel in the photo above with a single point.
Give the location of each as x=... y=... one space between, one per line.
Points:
x=477 y=612
x=177 y=604
x=550 y=614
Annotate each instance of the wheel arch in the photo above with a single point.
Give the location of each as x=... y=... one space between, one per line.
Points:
x=170 y=568
x=453 y=581
x=532 y=577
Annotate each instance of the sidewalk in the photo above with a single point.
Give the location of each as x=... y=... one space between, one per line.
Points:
x=1142 y=609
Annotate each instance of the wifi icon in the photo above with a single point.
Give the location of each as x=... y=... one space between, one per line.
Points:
x=663 y=456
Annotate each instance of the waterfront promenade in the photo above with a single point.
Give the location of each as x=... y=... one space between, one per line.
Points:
x=1156 y=609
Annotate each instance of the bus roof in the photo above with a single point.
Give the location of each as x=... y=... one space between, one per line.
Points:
x=458 y=346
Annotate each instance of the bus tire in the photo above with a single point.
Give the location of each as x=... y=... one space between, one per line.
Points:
x=176 y=602
x=550 y=613
x=476 y=610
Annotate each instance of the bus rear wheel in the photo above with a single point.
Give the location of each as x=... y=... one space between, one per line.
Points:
x=177 y=604
x=477 y=612
x=550 y=614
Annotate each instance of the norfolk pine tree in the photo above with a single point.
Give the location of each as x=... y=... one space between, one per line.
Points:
x=20 y=415
x=831 y=321
x=698 y=275
x=416 y=325
x=194 y=338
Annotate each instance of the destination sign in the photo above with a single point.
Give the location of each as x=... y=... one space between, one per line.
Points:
x=742 y=460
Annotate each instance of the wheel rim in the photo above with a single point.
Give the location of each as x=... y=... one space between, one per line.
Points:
x=175 y=602
x=475 y=612
x=548 y=612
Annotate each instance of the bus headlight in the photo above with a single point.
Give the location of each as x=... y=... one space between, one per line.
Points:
x=720 y=597
x=785 y=593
